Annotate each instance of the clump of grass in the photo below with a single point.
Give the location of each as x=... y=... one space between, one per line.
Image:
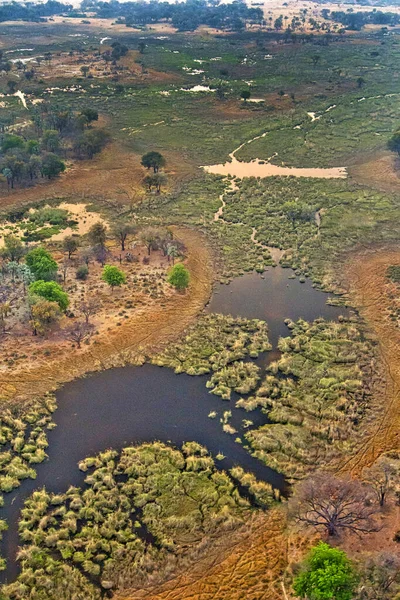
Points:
x=214 y=342
x=240 y=376
x=316 y=395
x=92 y=535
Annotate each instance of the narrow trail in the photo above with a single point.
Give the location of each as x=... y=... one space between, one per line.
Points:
x=366 y=276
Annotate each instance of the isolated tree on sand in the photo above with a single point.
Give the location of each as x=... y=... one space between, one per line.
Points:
x=89 y=307
x=80 y=332
x=332 y=505
x=326 y=574
x=113 y=276
x=70 y=245
x=120 y=232
x=44 y=314
x=179 y=277
x=153 y=160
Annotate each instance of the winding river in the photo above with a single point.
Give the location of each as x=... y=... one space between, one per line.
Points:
x=118 y=407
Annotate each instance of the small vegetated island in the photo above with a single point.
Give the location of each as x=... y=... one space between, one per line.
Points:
x=119 y=123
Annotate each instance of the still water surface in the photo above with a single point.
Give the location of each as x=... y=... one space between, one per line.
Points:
x=131 y=405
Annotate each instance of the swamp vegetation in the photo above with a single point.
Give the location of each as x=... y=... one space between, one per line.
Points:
x=138 y=510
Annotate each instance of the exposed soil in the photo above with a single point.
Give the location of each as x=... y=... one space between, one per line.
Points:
x=145 y=332
x=379 y=172
x=247 y=564
x=366 y=277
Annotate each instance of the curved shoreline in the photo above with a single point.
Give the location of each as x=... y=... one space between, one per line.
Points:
x=147 y=331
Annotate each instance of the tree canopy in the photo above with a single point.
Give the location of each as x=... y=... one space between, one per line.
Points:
x=153 y=160
x=327 y=574
x=51 y=291
x=113 y=276
x=41 y=263
x=179 y=277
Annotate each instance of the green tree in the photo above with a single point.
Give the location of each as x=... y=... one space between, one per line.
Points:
x=113 y=276
x=52 y=165
x=51 y=291
x=13 y=249
x=70 y=244
x=245 y=95
x=41 y=263
x=179 y=277
x=90 y=114
x=153 y=160
x=50 y=140
x=97 y=234
x=327 y=574
x=12 y=141
x=394 y=142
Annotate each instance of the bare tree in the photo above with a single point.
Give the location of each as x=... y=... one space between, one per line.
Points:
x=89 y=307
x=380 y=577
x=382 y=477
x=120 y=232
x=80 y=332
x=333 y=505
x=66 y=263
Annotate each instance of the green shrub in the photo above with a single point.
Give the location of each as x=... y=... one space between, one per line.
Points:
x=51 y=291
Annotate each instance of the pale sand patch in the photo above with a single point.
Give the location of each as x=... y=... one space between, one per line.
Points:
x=84 y=217
x=254 y=168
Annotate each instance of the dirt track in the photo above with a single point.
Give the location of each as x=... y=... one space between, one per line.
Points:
x=248 y=564
x=148 y=330
x=366 y=276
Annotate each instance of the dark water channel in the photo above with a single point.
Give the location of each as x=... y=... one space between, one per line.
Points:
x=131 y=405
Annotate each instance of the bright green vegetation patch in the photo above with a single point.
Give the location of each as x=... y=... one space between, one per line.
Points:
x=393 y=273
x=315 y=395
x=138 y=511
x=281 y=209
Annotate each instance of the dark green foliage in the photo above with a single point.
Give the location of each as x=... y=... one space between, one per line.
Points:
x=394 y=142
x=41 y=263
x=393 y=273
x=12 y=142
x=327 y=574
x=52 y=165
x=153 y=160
